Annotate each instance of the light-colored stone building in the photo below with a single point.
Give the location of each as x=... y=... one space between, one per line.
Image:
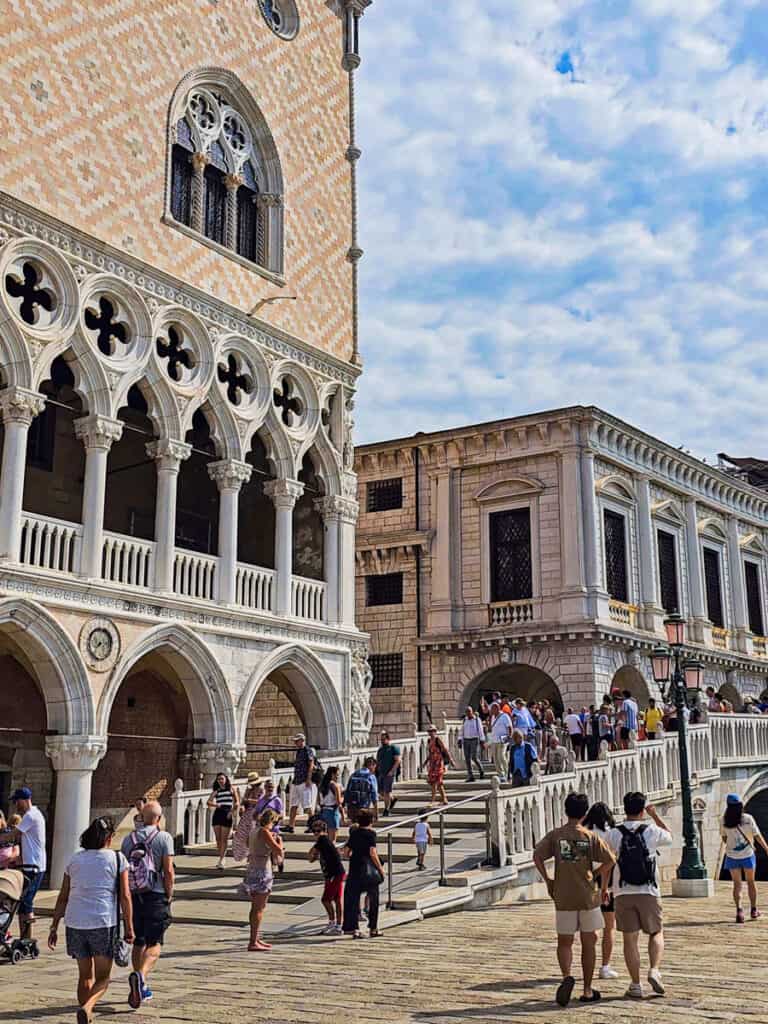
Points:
x=539 y=555
x=178 y=360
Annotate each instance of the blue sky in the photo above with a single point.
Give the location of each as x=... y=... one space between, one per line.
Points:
x=566 y=202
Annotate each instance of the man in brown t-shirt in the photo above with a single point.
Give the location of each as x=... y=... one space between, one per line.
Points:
x=575 y=891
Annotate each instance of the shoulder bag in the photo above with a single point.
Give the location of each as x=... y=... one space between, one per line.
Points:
x=122 y=951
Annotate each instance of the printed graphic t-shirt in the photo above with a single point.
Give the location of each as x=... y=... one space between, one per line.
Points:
x=576 y=850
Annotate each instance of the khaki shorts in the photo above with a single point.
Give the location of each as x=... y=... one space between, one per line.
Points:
x=639 y=913
x=568 y=922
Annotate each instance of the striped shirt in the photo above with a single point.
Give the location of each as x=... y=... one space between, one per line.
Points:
x=224 y=798
x=629 y=707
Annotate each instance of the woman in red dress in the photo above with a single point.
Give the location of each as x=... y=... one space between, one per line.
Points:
x=437 y=757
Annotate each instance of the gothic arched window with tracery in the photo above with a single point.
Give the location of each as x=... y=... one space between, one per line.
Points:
x=223 y=183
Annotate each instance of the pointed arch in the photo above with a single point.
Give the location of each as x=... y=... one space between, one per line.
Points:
x=56 y=663
x=15 y=358
x=162 y=409
x=198 y=672
x=322 y=708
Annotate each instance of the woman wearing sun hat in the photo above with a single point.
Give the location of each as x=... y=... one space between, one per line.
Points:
x=740 y=833
x=250 y=800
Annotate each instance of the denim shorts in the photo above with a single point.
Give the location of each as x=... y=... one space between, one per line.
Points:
x=34 y=881
x=331 y=816
x=746 y=863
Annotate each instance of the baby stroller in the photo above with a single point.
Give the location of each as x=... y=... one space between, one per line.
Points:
x=12 y=886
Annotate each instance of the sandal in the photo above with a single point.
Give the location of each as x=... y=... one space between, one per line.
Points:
x=376 y=934
x=565 y=990
x=357 y=935
x=594 y=998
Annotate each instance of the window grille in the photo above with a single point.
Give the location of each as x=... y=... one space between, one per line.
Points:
x=387 y=670
x=215 y=205
x=668 y=572
x=754 y=601
x=615 y=556
x=712 y=587
x=382 y=495
x=510 y=536
x=247 y=228
x=181 y=186
x=384 y=589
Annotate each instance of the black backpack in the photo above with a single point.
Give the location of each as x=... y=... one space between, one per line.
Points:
x=636 y=865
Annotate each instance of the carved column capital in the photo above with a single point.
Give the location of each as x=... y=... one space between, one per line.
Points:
x=219 y=758
x=200 y=161
x=229 y=474
x=98 y=431
x=284 y=493
x=20 y=405
x=267 y=200
x=334 y=506
x=168 y=453
x=233 y=181
x=75 y=753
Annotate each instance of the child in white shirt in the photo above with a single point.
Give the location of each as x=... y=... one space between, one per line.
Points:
x=422 y=836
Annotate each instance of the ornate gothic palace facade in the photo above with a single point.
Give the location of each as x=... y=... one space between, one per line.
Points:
x=539 y=556
x=178 y=359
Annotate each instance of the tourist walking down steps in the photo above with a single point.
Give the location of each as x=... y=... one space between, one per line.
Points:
x=472 y=742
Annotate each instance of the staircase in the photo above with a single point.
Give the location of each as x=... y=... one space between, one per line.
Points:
x=208 y=896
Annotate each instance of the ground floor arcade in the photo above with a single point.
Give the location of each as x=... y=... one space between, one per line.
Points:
x=169 y=702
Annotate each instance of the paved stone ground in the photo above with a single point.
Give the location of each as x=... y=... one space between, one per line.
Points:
x=491 y=965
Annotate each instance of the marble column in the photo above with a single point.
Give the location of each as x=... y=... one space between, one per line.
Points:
x=651 y=613
x=168 y=455
x=74 y=760
x=19 y=407
x=340 y=517
x=97 y=434
x=573 y=578
x=699 y=623
x=284 y=495
x=233 y=183
x=229 y=475
x=738 y=583
x=197 y=214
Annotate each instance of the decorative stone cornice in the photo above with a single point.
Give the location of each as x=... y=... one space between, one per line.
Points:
x=284 y=493
x=168 y=454
x=229 y=474
x=19 y=405
x=334 y=506
x=18 y=218
x=98 y=431
x=75 y=753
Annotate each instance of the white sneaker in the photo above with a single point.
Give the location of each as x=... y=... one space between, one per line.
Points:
x=336 y=929
x=654 y=980
x=635 y=991
x=606 y=971
x=328 y=930
x=220 y=864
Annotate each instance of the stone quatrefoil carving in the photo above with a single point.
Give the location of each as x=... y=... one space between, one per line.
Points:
x=175 y=353
x=27 y=288
x=107 y=328
x=289 y=405
x=238 y=383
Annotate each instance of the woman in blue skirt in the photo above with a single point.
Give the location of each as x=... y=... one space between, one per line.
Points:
x=740 y=833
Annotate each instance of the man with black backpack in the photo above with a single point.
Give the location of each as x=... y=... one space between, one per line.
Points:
x=149 y=852
x=637 y=896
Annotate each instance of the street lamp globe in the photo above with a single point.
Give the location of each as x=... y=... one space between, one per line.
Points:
x=693 y=673
x=661 y=660
x=675 y=629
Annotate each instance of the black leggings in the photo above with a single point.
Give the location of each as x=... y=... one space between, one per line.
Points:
x=353 y=890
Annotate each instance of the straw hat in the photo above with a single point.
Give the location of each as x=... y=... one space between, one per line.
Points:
x=254 y=778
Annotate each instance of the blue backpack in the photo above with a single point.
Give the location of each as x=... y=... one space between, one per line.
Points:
x=359 y=791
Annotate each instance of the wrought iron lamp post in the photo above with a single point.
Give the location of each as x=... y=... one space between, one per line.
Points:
x=678 y=678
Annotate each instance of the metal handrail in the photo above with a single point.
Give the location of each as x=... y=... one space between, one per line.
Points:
x=441 y=811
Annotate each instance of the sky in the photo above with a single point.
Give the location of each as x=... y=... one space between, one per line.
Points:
x=562 y=203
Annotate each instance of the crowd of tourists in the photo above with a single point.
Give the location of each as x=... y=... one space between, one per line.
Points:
x=116 y=903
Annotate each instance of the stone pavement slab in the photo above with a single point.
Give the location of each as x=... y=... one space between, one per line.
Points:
x=495 y=965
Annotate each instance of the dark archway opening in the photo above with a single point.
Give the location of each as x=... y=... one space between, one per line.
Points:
x=308 y=526
x=256 y=513
x=512 y=681
x=129 y=505
x=197 y=500
x=274 y=719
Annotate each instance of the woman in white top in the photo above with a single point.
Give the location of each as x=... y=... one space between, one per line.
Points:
x=600 y=820
x=740 y=833
x=88 y=903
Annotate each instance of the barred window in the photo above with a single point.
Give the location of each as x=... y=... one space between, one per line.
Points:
x=382 y=495
x=215 y=204
x=387 y=670
x=615 y=556
x=510 y=537
x=181 y=185
x=668 y=572
x=712 y=587
x=754 y=601
x=384 y=589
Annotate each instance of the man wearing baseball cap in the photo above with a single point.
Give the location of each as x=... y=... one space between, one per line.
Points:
x=30 y=833
x=303 y=794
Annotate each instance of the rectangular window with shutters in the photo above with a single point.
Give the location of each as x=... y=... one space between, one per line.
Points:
x=668 y=572
x=615 y=556
x=384 y=589
x=510 y=544
x=383 y=495
x=387 y=670
x=712 y=587
x=754 y=600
